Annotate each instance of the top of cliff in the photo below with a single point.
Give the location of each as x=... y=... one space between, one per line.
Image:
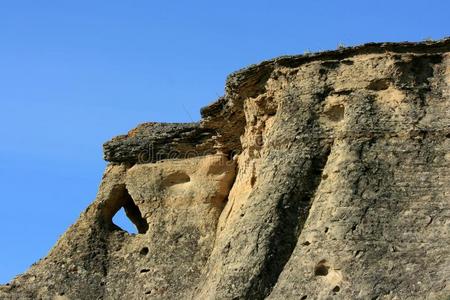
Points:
x=222 y=121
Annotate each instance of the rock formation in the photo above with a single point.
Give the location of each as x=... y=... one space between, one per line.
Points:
x=321 y=176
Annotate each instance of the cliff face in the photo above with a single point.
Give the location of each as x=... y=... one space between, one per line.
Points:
x=314 y=177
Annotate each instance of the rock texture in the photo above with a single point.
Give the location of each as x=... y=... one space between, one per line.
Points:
x=150 y=142
x=323 y=176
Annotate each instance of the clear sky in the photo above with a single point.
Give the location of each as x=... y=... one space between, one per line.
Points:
x=75 y=73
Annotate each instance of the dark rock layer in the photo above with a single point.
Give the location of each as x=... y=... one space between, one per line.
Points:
x=150 y=142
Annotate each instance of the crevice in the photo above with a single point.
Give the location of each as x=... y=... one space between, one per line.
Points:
x=345 y=92
x=293 y=210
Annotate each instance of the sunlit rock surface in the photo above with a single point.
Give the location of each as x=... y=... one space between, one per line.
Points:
x=314 y=177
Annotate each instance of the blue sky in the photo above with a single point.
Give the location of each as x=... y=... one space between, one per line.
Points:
x=75 y=73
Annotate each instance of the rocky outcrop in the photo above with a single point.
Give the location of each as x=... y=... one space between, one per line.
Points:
x=151 y=142
x=315 y=177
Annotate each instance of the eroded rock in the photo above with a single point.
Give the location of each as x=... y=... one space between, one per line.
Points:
x=151 y=142
x=319 y=176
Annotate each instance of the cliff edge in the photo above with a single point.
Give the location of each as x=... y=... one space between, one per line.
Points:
x=321 y=176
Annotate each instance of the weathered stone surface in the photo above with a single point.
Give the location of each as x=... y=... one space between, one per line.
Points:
x=150 y=142
x=178 y=201
x=331 y=180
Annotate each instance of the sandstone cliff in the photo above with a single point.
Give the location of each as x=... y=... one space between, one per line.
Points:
x=322 y=176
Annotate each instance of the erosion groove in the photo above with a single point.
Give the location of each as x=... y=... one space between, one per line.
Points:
x=318 y=176
x=292 y=211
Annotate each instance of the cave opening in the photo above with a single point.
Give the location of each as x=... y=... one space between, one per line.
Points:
x=120 y=210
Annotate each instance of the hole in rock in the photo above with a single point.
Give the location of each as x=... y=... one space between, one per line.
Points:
x=176 y=178
x=121 y=220
x=378 y=85
x=120 y=209
x=304 y=297
x=321 y=269
x=144 y=251
x=336 y=289
x=335 y=113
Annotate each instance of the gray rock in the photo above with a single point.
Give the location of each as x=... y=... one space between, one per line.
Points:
x=151 y=142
